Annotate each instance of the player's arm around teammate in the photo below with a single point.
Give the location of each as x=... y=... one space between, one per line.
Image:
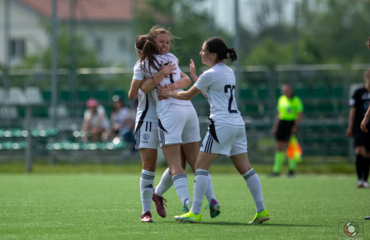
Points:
x=226 y=133
x=174 y=137
x=146 y=85
x=146 y=129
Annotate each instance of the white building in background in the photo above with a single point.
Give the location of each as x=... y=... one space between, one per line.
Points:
x=103 y=23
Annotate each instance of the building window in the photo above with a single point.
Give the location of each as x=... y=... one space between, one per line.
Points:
x=17 y=48
x=122 y=44
x=99 y=44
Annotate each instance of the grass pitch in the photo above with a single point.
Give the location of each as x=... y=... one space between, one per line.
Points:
x=107 y=206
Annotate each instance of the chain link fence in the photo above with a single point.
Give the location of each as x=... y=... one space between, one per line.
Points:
x=323 y=89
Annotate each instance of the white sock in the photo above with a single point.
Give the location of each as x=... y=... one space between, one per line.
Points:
x=200 y=188
x=254 y=185
x=146 y=189
x=210 y=194
x=180 y=182
x=164 y=184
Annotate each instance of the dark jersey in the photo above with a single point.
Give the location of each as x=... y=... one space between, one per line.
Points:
x=361 y=101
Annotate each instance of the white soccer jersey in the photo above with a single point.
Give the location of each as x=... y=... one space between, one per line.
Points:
x=219 y=85
x=146 y=109
x=162 y=106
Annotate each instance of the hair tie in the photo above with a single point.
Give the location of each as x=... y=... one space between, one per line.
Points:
x=137 y=49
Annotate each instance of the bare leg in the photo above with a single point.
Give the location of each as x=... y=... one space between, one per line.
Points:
x=173 y=158
x=149 y=159
x=191 y=152
x=172 y=154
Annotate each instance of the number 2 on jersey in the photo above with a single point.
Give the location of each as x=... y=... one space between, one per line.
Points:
x=231 y=87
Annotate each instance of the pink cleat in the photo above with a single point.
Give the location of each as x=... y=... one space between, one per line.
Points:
x=146 y=217
x=160 y=202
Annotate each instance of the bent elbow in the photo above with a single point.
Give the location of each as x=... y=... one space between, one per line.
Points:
x=145 y=90
x=188 y=97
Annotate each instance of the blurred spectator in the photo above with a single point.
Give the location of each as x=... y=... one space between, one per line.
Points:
x=122 y=123
x=95 y=121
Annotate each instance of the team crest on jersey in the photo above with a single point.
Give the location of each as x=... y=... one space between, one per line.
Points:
x=146 y=136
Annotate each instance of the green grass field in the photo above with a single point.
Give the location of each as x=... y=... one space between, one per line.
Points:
x=107 y=206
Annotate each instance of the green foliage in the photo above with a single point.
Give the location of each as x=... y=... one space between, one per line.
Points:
x=188 y=20
x=86 y=56
x=269 y=53
x=337 y=30
x=328 y=31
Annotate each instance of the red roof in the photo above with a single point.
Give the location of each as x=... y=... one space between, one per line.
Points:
x=86 y=10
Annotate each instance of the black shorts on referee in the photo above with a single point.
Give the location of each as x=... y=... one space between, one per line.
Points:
x=284 y=130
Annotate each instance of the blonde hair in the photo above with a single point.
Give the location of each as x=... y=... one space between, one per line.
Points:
x=156 y=30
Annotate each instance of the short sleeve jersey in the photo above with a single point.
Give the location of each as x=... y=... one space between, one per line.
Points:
x=162 y=106
x=289 y=108
x=146 y=108
x=219 y=85
x=361 y=101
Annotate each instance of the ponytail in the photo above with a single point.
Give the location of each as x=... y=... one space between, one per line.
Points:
x=147 y=53
x=218 y=46
x=232 y=55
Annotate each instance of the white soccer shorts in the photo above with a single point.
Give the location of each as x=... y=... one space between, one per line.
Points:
x=179 y=125
x=225 y=140
x=146 y=135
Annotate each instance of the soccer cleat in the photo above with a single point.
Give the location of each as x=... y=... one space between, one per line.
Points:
x=360 y=184
x=365 y=184
x=291 y=173
x=160 y=202
x=146 y=217
x=273 y=174
x=214 y=208
x=189 y=217
x=260 y=217
x=187 y=205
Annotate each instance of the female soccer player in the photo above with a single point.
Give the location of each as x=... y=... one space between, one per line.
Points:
x=286 y=123
x=177 y=121
x=359 y=103
x=146 y=129
x=226 y=133
x=147 y=135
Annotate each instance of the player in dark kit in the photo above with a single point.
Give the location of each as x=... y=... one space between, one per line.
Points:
x=367 y=116
x=360 y=102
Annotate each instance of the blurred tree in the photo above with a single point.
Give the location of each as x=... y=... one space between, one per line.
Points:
x=87 y=55
x=269 y=53
x=191 y=21
x=337 y=30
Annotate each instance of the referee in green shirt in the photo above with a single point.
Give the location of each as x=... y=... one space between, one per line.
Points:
x=286 y=123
